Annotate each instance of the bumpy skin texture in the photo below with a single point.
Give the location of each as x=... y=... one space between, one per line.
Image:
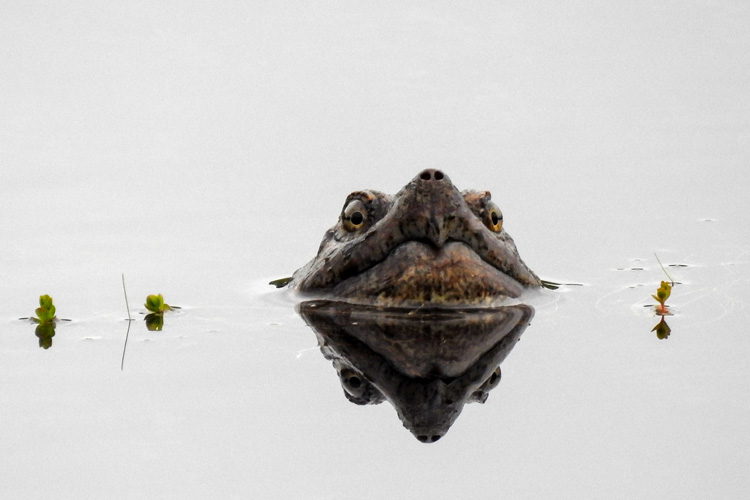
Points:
x=428 y=244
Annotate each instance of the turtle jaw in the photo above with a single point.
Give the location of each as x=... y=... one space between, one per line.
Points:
x=417 y=273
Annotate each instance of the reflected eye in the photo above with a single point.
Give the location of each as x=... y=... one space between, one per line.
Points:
x=352 y=382
x=354 y=215
x=493 y=218
x=494 y=379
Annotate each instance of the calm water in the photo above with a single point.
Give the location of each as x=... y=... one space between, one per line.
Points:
x=202 y=151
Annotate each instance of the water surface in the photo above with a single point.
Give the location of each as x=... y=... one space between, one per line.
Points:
x=203 y=150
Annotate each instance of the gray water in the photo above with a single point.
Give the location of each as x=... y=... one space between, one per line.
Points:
x=202 y=150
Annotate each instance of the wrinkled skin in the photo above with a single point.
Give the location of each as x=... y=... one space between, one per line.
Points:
x=428 y=245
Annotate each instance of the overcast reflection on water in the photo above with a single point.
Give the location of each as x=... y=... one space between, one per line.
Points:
x=202 y=150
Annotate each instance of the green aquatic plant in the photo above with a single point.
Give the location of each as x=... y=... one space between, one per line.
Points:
x=664 y=291
x=661 y=296
x=155 y=304
x=155 y=319
x=45 y=313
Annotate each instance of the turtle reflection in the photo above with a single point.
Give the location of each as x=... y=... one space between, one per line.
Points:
x=427 y=363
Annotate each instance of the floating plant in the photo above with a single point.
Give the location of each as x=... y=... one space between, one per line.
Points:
x=661 y=296
x=45 y=319
x=157 y=306
x=663 y=292
x=45 y=313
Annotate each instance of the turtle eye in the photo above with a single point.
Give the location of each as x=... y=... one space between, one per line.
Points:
x=493 y=218
x=354 y=215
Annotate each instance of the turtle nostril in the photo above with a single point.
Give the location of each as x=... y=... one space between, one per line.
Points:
x=429 y=174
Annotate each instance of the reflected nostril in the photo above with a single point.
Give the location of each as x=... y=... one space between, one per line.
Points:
x=425 y=175
x=423 y=438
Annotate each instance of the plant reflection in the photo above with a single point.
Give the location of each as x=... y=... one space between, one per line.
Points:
x=427 y=364
x=45 y=332
x=662 y=329
x=154 y=322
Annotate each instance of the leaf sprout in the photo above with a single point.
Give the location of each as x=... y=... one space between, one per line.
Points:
x=155 y=319
x=155 y=304
x=663 y=292
x=661 y=296
x=45 y=313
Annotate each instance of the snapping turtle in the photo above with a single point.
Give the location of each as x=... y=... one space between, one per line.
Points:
x=428 y=245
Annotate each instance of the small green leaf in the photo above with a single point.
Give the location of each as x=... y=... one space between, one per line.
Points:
x=155 y=303
x=43 y=315
x=666 y=288
x=46 y=311
x=45 y=301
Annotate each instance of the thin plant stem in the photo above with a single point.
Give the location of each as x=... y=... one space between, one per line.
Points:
x=671 y=281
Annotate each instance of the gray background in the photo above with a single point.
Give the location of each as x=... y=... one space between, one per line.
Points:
x=203 y=149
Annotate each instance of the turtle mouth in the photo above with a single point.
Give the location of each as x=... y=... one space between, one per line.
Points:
x=420 y=272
